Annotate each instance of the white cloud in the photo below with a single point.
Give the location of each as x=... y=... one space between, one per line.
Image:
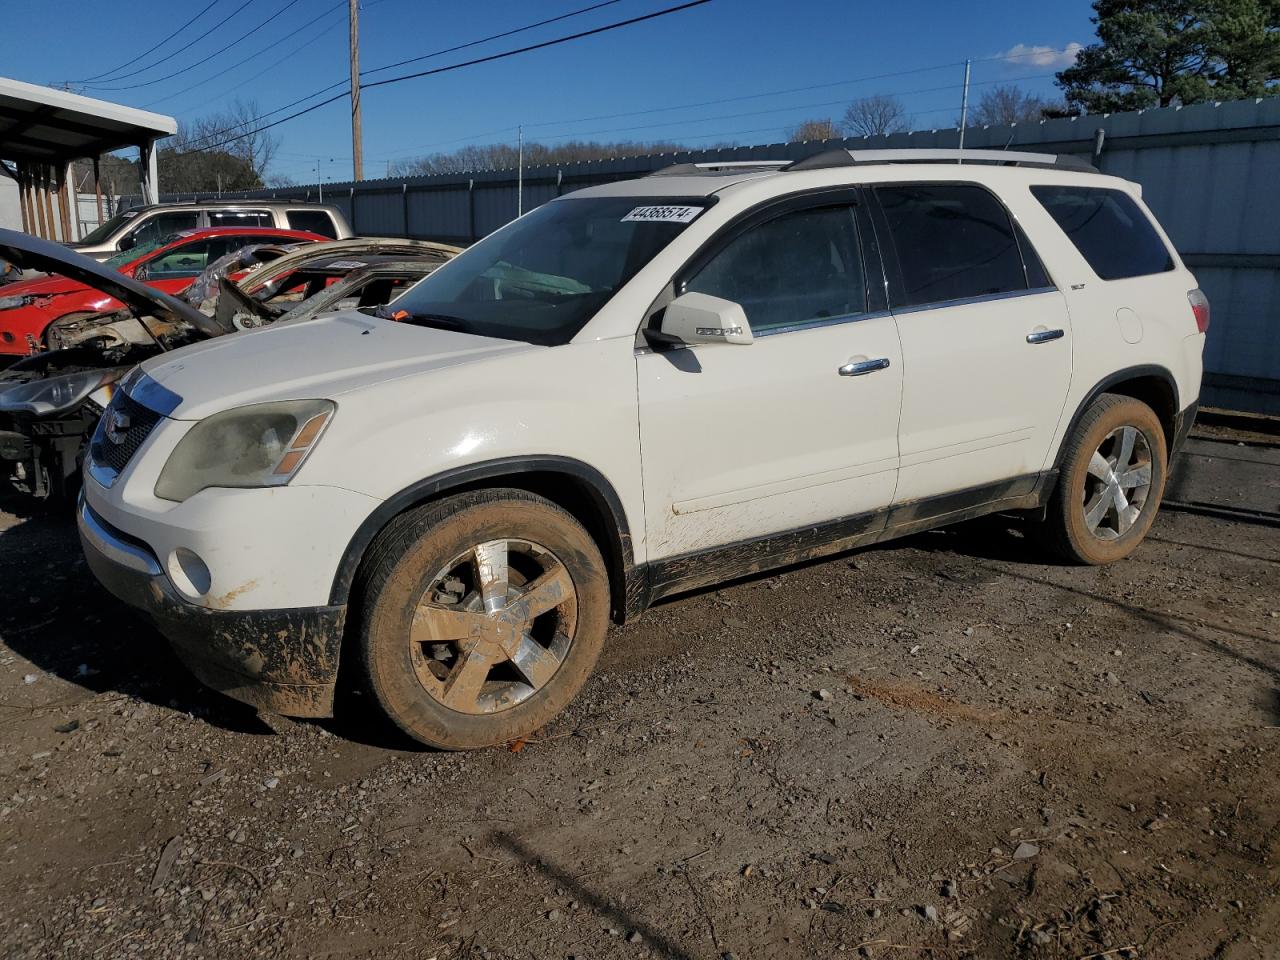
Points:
x=1050 y=58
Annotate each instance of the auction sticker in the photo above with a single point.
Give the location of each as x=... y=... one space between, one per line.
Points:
x=663 y=214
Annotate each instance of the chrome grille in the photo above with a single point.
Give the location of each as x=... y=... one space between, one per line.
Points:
x=124 y=426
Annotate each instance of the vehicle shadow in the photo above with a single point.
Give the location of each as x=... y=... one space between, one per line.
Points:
x=54 y=613
x=604 y=907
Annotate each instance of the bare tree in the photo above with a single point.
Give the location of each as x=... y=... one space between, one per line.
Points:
x=876 y=116
x=242 y=120
x=227 y=150
x=814 y=130
x=1005 y=104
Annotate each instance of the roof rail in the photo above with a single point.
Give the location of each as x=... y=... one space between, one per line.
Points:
x=724 y=166
x=1006 y=158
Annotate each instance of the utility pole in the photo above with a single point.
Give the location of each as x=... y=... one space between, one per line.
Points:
x=964 y=110
x=357 y=146
x=519 y=170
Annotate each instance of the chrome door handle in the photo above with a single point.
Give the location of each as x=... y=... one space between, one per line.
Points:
x=1045 y=336
x=863 y=367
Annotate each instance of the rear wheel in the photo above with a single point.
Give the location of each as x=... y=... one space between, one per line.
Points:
x=1110 y=484
x=484 y=615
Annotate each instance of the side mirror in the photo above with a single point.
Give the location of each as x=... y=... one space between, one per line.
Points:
x=128 y=243
x=700 y=318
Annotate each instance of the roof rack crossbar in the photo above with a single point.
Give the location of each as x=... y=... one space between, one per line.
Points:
x=1009 y=158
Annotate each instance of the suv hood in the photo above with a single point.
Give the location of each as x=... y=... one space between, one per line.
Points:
x=321 y=358
x=30 y=252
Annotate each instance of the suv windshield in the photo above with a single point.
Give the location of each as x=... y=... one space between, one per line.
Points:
x=543 y=277
x=101 y=233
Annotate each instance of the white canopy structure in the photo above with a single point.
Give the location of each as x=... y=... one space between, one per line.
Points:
x=42 y=130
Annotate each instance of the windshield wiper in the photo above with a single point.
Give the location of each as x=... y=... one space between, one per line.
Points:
x=388 y=311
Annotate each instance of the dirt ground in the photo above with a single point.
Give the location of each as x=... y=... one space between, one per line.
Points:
x=940 y=747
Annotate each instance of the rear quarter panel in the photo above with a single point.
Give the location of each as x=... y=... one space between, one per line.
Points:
x=1116 y=324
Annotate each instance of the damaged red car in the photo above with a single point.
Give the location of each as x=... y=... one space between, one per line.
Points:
x=30 y=309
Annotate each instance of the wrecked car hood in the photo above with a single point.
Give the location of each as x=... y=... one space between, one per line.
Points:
x=317 y=358
x=32 y=253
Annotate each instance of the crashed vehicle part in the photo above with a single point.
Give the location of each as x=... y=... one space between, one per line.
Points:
x=204 y=290
x=51 y=402
x=376 y=285
x=282 y=286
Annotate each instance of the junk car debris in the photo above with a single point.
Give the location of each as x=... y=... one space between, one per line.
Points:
x=51 y=401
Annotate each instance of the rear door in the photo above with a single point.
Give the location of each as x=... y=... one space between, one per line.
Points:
x=744 y=442
x=986 y=339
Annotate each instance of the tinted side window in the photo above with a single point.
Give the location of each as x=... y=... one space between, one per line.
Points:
x=240 y=218
x=313 y=221
x=803 y=266
x=953 y=241
x=1108 y=229
x=187 y=261
x=162 y=225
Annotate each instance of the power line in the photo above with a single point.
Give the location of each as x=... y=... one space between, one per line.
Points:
x=685 y=106
x=756 y=113
x=409 y=151
x=341 y=83
x=153 y=48
x=456 y=66
x=496 y=36
x=539 y=46
x=170 y=56
x=205 y=59
x=275 y=61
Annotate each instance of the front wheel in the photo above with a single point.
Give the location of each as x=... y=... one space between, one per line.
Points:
x=1110 y=484
x=484 y=614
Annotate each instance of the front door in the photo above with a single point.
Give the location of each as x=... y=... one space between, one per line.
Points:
x=797 y=428
x=986 y=340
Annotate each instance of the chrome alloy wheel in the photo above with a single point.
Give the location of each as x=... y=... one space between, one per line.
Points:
x=1118 y=483
x=493 y=626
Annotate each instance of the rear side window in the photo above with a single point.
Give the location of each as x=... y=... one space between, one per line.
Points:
x=313 y=221
x=953 y=242
x=240 y=218
x=801 y=268
x=1108 y=228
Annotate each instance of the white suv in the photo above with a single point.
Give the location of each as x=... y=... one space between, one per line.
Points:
x=635 y=390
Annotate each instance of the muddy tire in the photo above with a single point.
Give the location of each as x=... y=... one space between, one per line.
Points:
x=482 y=617
x=1110 y=484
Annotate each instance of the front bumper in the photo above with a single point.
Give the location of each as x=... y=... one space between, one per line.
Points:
x=283 y=661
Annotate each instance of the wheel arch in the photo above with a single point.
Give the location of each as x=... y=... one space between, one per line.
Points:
x=570 y=484
x=1152 y=384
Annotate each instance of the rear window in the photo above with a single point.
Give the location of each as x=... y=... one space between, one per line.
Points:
x=313 y=221
x=1108 y=228
x=953 y=242
x=240 y=218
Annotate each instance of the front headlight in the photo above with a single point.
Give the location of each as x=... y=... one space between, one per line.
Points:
x=261 y=445
x=13 y=303
x=55 y=394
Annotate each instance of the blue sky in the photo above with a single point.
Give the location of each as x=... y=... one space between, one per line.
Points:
x=726 y=50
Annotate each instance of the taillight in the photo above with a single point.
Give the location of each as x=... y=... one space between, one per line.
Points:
x=1200 y=307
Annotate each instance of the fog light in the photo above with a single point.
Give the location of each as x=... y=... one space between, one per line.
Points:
x=189 y=573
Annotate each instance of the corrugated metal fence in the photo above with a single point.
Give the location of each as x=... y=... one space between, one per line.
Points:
x=1211 y=172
